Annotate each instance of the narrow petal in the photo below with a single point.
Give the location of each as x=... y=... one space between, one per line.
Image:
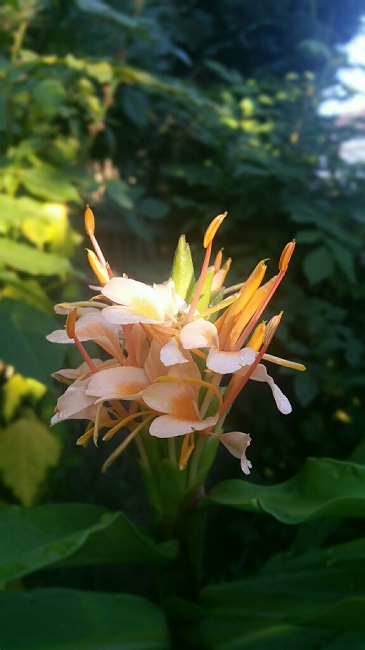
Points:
x=260 y=374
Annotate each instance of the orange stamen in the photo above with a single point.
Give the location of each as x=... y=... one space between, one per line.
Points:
x=71 y=333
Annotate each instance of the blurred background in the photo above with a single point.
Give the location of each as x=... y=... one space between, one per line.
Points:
x=160 y=115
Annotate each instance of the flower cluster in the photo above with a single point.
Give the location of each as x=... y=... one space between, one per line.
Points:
x=166 y=350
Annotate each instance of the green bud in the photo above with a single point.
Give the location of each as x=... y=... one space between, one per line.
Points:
x=183 y=269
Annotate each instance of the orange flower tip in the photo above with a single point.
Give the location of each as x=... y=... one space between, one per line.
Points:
x=212 y=229
x=271 y=328
x=71 y=324
x=89 y=220
x=286 y=256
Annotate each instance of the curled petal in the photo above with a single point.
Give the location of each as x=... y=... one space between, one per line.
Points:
x=171 y=354
x=199 y=334
x=227 y=362
x=237 y=443
x=260 y=374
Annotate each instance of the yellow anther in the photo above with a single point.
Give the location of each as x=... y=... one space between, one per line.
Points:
x=286 y=256
x=186 y=450
x=218 y=260
x=89 y=220
x=212 y=229
x=98 y=268
x=257 y=337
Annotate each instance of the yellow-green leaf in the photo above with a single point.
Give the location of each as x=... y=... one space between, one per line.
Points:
x=27 y=451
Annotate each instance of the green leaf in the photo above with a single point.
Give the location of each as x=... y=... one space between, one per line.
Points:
x=135 y=105
x=30 y=260
x=318 y=265
x=50 y=94
x=27 y=451
x=64 y=619
x=72 y=535
x=306 y=388
x=23 y=343
x=314 y=600
x=322 y=488
x=48 y=183
x=344 y=258
x=119 y=191
x=153 y=209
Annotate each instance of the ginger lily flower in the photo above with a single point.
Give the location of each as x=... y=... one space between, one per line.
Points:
x=167 y=357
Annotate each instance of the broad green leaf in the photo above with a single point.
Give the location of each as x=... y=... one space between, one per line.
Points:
x=313 y=600
x=65 y=619
x=23 y=343
x=30 y=260
x=48 y=183
x=72 y=535
x=27 y=451
x=318 y=265
x=322 y=488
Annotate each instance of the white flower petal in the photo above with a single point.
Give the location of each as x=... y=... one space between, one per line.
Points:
x=171 y=354
x=260 y=374
x=125 y=382
x=227 y=362
x=199 y=334
x=142 y=300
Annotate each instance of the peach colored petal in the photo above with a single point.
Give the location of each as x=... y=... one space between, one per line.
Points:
x=125 y=382
x=237 y=442
x=169 y=426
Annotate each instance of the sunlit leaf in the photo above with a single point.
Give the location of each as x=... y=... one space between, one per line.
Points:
x=48 y=183
x=30 y=260
x=27 y=451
